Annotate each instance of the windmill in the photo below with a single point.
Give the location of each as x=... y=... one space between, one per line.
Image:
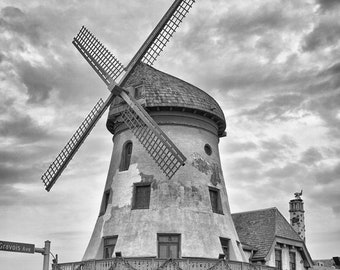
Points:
x=143 y=214
x=158 y=145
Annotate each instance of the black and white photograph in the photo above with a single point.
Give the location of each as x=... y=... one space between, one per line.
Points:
x=170 y=135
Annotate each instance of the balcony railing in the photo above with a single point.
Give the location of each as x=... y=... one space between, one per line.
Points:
x=159 y=264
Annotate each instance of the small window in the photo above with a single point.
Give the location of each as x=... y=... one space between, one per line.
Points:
x=207 y=149
x=109 y=246
x=141 y=196
x=139 y=91
x=225 y=247
x=215 y=200
x=292 y=261
x=105 y=201
x=168 y=246
x=126 y=156
x=278 y=259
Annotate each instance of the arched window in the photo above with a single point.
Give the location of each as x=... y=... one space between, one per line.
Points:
x=126 y=156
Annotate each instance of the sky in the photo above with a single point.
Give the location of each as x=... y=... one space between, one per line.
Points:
x=273 y=66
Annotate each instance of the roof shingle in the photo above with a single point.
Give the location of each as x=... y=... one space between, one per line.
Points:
x=260 y=227
x=164 y=90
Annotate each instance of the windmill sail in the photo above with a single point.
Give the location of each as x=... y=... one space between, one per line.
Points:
x=158 y=145
x=163 y=151
x=167 y=30
x=160 y=36
x=167 y=156
x=101 y=60
x=59 y=164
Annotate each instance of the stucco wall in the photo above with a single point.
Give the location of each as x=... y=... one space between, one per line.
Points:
x=285 y=258
x=180 y=205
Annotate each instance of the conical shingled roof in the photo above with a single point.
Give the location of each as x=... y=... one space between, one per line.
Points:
x=260 y=227
x=162 y=91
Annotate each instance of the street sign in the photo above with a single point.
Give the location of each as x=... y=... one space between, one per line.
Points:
x=16 y=247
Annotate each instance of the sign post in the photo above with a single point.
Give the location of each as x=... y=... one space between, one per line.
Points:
x=28 y=248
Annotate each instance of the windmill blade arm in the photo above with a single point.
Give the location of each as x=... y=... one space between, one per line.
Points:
x=59 y=164
x=104 y=63
x=159 y=37
x=164 y=152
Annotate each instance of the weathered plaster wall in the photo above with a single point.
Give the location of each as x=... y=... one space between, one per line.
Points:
x=180 y=205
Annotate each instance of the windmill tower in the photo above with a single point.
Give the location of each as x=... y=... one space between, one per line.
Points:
x=165 y=195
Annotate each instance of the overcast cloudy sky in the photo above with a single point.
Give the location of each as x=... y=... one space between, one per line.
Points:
x=272 y=65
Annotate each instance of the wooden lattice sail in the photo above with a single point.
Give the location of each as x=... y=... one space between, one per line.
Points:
x=167 y=156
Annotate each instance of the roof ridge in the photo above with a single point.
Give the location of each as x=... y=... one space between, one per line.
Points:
x=253 y=211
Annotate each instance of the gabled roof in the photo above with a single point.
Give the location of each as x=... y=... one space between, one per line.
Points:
x=260 y=228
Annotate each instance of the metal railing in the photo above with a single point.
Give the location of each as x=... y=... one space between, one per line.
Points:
x=159 y=264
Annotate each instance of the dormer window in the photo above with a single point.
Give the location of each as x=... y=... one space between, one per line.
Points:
x=139 y=91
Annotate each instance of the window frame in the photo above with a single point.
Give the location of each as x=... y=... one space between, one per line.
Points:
x=208 y=149
x=168 y=244
x=227 y=255
x=138 y=91
x=105 y=201
x=278 y=263
x=135 y=204
x=218 y=209
x=292 y=263
x=125 y=159
x=107 y=246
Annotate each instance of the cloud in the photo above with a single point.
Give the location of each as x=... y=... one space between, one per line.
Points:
x=276 y=150
x=24 y=172
x=240 y=147
x=327 y=196
x=324 y=35
x=10 y=173
x=14 y=20
x=38 y=80
x=327 y=108
x=328 y=175
x=244 y=168
x=285 y=142
x=328 y=5
x=22 y=128
x=269 y=156
x=264 y=17
x=334 y=69
x=279 y=107
x=290 y=170
x=311 y=156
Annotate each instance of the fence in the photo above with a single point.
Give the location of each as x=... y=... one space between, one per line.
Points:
x=159 y=264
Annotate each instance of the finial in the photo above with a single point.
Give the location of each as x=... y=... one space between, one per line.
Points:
x=298 y=194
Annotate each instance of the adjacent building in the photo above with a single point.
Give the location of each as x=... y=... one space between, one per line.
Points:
x=327 y=264
x=268 y=239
